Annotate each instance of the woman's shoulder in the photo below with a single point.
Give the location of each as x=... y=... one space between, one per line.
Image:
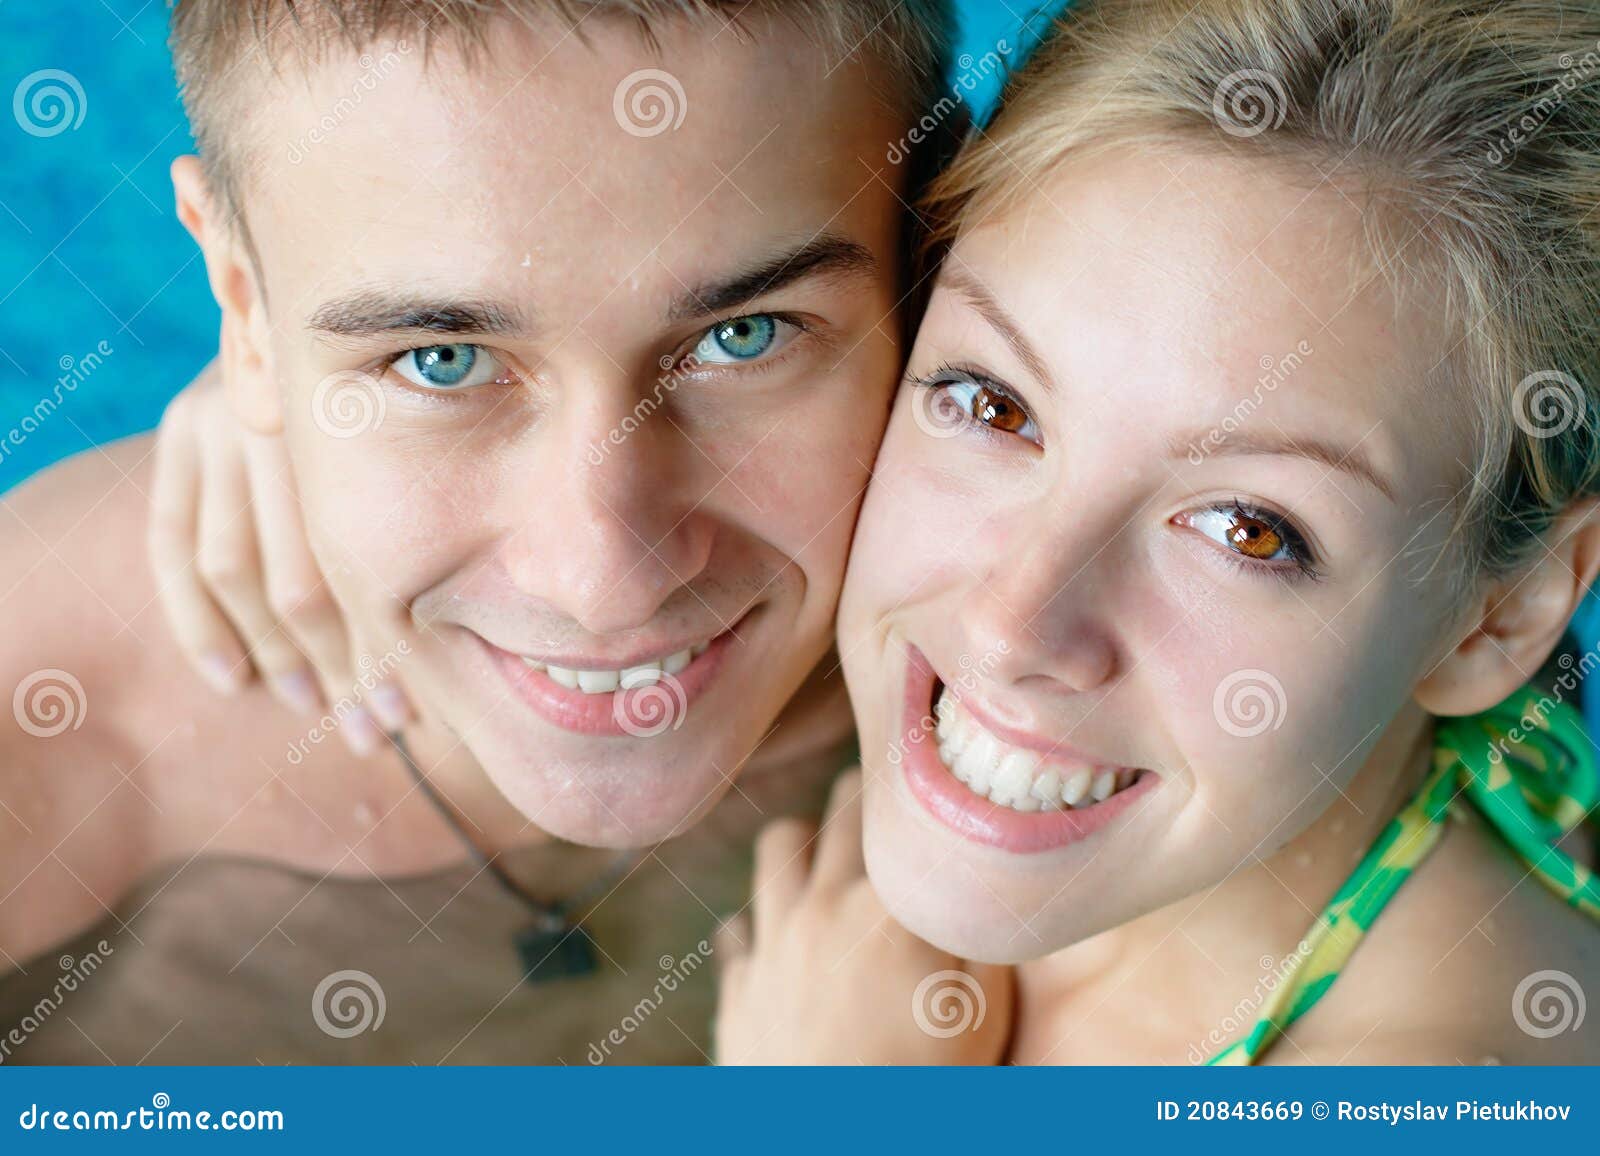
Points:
x=1474 y=961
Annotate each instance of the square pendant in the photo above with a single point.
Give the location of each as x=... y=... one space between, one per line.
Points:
x=554 y=952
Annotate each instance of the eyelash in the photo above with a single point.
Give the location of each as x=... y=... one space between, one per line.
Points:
x=384 y=365
x=949 y=373
x=805 y=326
x=1302 y=563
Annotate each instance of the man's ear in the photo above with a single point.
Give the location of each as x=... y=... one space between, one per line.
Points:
x=1518 y=619
x=245 y=352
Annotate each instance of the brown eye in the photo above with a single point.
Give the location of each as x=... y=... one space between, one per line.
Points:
x=1253 y=537
x=993 y=409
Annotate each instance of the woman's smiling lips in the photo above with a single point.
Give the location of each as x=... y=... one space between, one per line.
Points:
x=1004 y=794
x=636 y=701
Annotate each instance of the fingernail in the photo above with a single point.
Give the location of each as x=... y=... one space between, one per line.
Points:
x=296 y=691
x=218 y=670
x=390 y=705
x=361 y=734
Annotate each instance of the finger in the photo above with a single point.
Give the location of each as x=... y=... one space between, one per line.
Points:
x=229 y=563
x=203 y=632
x=297 y=596
x=782 y=865
x=733 y=940
x=380 y=691
x=839 y=858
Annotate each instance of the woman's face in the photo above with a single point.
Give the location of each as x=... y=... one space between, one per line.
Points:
x=1143 y=573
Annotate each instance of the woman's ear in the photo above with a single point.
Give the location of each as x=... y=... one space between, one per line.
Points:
x=1518 y=619
x=245 y=352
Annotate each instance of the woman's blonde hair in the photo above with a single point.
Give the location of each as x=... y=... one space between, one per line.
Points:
x=1473 y=126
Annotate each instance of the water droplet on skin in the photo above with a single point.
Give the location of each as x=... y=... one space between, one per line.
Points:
x=364 y=814
x=527 y=260
x=1336 y=826
x=1490 y=1061
x=1303 y=860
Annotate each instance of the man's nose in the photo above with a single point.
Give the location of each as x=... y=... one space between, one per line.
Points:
x=616 y=528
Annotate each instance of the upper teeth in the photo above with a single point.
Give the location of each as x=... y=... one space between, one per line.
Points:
x=1014 y=777
x=606 y=681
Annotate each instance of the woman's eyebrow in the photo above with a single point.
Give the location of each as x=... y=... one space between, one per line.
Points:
x=1352 y=460
x=965 y=282
x=827 y=254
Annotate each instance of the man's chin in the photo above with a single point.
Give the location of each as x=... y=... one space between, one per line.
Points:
x=623 y=802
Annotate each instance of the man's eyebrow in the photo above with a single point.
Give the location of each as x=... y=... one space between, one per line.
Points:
x=378 y=311
x=999 y=318
x=825 y=255
x=1352 y=460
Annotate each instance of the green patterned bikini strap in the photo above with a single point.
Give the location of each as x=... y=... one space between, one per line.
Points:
x=1527 y=765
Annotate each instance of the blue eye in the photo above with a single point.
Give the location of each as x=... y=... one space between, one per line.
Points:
x=448 y=366
x=743 y=339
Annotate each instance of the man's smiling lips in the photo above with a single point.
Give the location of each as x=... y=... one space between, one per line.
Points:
x=638 y=695
x=1020 y=796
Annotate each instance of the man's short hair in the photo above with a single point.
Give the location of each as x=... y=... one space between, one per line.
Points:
x=213 y=39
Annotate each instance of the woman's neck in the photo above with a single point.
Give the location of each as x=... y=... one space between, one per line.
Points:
x=1181 y=983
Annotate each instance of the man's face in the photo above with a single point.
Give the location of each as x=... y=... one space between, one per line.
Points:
x=577 y=392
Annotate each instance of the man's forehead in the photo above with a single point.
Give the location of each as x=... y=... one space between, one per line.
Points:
x=493 y=176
